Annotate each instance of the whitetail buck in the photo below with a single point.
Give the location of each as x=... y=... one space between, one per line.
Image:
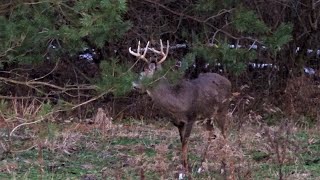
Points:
x=206 y=96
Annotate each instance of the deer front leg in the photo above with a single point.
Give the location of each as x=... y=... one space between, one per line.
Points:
x=185 y=131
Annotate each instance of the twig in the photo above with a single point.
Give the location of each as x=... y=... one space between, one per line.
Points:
x=54 y=68
x=13 y=98
x=132 y=66
x=92 y=99
x=32 y=83
x=28 y=123
x=194 y=18
x=163 y=76
x=20 y=151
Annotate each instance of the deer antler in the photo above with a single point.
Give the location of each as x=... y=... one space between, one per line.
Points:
x=137 y=54
x=161 y=52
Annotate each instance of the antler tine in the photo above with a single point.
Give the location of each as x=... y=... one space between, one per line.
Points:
x=138 y=50
x=161 y=51
x=164 y=54
x=137 y=54
x=146 y=49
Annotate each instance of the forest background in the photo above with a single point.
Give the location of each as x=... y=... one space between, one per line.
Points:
x=61 y=60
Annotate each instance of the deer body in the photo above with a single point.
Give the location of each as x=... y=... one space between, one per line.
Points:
x=206 y=96
x=190 y=98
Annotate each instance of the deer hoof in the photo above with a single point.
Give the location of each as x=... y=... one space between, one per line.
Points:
x=200 y=170
x=203 y=168
x=181 y=176
x=222 y=171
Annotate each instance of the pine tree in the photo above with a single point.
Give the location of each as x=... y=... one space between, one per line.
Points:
x=28 y=29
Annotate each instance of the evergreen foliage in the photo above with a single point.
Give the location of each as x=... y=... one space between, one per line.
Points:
x=280 y=37
x=28 y=29
x=243 y=22
x=246 y=21
x=233 y=60
x=116 y=78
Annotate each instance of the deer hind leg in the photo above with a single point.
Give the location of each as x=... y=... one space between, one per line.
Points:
x=223 y=123
x=211 y=136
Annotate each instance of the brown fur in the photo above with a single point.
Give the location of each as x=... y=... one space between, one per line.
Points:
x=207 y=96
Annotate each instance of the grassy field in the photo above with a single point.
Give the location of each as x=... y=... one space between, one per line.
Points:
x=133 y=149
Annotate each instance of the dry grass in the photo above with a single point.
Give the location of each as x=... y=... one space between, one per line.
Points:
x=131 y=149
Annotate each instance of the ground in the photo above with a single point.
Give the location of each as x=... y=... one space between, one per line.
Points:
x=150 y=149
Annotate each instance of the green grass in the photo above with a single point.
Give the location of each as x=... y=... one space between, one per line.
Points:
x=154 y=150
x=307 y=160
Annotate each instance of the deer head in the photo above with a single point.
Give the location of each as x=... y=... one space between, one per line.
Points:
x=152 y=65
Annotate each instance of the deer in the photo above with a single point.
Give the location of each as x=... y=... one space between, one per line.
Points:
x=207 y=96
